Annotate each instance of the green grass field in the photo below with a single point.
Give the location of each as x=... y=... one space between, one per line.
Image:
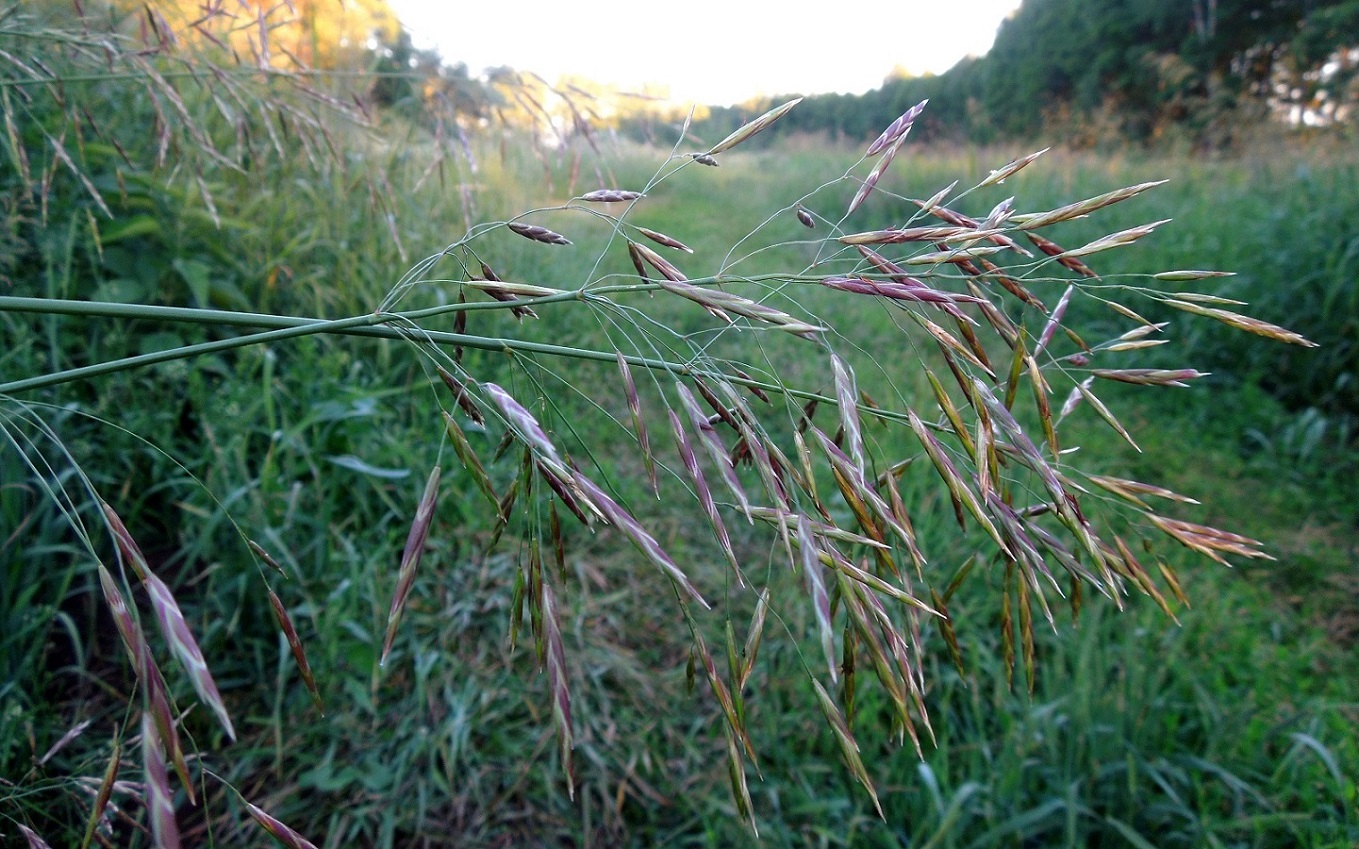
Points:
x=1230 y=724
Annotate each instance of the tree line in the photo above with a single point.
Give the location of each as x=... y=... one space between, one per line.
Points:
x=1118 y=70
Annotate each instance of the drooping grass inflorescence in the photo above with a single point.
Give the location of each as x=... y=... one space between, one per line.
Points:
x=967 y=302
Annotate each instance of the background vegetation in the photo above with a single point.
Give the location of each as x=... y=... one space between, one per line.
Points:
x=271 y=192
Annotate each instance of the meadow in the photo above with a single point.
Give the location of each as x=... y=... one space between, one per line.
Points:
x=1226 y=720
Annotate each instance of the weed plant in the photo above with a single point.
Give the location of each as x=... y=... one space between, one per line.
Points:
x=763 y=491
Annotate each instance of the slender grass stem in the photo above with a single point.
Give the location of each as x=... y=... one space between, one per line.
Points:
x=371 y=325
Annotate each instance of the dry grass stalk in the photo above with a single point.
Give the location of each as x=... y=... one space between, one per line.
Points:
x=896 y=291
x=948 y=342
x=1192 y=274
x=847 y=397
x=1010 y=285
x=1103 y=412
x=524 y=426
x=153 y=684
x=957 y=219
x=1129 y=490
x=410 y=558
x=793 y=520
x=959 y=491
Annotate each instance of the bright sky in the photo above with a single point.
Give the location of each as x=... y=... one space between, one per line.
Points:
x=714 y=53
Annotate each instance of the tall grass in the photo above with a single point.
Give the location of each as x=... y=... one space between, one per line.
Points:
x=316 y=448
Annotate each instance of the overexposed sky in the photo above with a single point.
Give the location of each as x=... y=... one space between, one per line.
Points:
x=716 y=52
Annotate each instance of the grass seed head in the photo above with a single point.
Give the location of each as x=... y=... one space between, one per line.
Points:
x=281 y=832
x=160 y=803
x=539 y=234
x=897 y=129
x=662 y=239
x=745 y=131
x=295 y=644
x=410 y=558
x=610 y=196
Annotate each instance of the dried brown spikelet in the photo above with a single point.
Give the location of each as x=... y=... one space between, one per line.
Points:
x=804 y=217
x=704 y=159
x=1053 y=249
x=642 y=254
x=295 y=644
x=539 y=234
x=662 y=239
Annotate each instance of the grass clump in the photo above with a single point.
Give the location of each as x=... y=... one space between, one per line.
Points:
x=742 y=491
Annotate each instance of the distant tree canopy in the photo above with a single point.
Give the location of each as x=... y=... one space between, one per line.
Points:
x=1135 y=69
